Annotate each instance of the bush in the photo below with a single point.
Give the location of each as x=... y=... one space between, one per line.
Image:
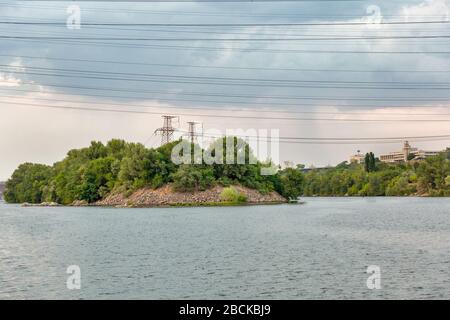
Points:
x=290 y=183
x=157 y=181
x=97 y=179
x=447 y=181
x=225 y=181
x=230 y=194
x=401 y=186
x=189 y=178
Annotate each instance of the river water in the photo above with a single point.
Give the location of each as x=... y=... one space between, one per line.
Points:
x=318 y=250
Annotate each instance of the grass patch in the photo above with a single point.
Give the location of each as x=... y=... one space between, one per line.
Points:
x=231 y=195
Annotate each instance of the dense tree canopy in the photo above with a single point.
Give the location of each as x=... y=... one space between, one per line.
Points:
x=193 y=177
x=91 y=173
x=427 y=177
x=27 y=183
x=290 y=183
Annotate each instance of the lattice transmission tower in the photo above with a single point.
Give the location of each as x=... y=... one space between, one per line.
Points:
x=192 y=134
x=167 y=130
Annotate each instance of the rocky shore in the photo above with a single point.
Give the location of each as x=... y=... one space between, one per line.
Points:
x=165 y=196
x=43 y=204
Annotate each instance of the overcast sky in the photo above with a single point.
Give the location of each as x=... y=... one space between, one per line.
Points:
x=35 y=73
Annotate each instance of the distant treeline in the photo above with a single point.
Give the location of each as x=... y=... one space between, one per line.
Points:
x=374 y=178
x=89 y=174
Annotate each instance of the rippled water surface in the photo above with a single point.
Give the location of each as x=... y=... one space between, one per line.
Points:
x=317 y=250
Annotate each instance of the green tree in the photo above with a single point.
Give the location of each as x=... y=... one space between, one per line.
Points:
x=370 y=162
x=189 y=178
x=367 y=162
x=98 y=179
x=290 y=183
x=373 y=165
x=242 y=166
x=432 y=173
x=401 y=185
x=27 y=183
x=132 y=173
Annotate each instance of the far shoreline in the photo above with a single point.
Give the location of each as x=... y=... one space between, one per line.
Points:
x=216 y=204
x=175 y=205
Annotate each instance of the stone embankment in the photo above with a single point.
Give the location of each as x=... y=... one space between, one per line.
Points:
x=165 y=196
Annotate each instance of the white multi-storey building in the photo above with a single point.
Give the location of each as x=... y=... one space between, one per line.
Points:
x=406 y=154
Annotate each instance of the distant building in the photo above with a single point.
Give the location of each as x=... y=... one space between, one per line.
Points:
x=406 y=154
x=357 y=158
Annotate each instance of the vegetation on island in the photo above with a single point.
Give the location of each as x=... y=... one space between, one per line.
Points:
x=232 y=195
x=90 y=174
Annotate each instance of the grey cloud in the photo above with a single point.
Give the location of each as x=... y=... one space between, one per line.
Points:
x=286 y=12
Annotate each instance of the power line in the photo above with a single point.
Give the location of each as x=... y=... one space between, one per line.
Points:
x=233 y=109
x=247 y=84
x=324 y=98
x=240 y=14
x=94 y=72
x=221 y=13
x=298 y=140
x=334 y=141
x=398 y=138
x=230 y=24
x=227 y=116
x=223 y=67
x=226 y=32
x=316 y=38
x=303 y=140
x=287 y=32
x=362 y=20
x=237 y=49
x=224 y=39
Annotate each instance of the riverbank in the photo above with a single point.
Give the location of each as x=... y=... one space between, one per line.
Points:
x=166 y=196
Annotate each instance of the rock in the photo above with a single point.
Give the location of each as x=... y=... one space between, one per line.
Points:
x=167 y=196
x=79 y=203
x=43 y=204
x=49 y=204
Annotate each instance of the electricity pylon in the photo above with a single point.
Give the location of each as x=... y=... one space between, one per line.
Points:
x=192 y=134
x=167 y=130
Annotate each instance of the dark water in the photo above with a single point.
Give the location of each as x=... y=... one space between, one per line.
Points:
x=317 y=250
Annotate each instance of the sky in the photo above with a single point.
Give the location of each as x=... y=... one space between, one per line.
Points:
x=387 y=72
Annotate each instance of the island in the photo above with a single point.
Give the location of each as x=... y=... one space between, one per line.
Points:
x=122 y=174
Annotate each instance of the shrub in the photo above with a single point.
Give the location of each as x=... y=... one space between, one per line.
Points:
x=190 y=178
x=230 y=194
x=400 y=186
x=290 y=183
